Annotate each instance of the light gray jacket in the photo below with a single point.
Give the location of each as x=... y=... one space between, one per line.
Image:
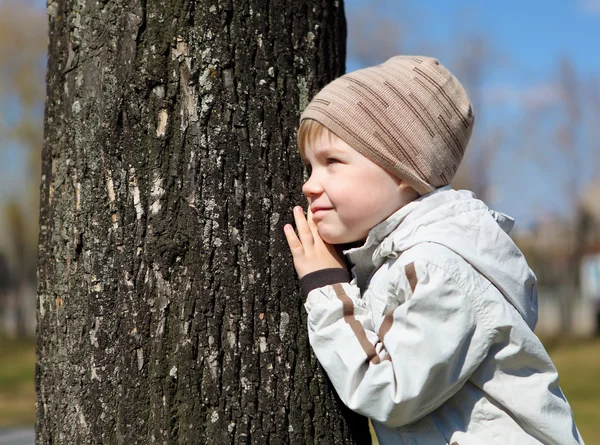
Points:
x=433 y=336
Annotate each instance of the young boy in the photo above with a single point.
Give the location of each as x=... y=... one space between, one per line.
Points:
x=431 y=334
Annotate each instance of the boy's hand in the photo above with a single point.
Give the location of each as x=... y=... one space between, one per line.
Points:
x=310 y=252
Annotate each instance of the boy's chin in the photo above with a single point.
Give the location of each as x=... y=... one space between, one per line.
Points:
x=329 y=238
x=335 y=232
x=341 y=239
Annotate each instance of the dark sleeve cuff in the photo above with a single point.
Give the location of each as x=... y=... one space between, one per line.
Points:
x=323 y=277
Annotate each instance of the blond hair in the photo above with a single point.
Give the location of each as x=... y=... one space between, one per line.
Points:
x=308 y=132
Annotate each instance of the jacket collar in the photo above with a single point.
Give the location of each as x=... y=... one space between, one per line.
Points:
x=369 y=256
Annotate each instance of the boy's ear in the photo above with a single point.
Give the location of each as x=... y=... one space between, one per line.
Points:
x=403 y=186
x=407 y=192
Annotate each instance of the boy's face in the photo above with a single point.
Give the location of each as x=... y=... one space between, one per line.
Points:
x=357 y=193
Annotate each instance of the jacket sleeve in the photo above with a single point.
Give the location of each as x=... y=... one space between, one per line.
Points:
x=421 y=355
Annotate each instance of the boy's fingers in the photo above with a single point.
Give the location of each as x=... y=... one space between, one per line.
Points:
x=312 y=224
x=292 y=239
x=304 y=231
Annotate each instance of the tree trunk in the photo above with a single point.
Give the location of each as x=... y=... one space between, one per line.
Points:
x=168 y=307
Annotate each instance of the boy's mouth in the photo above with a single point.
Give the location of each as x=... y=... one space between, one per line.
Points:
x=317 y=208
x=319 y=212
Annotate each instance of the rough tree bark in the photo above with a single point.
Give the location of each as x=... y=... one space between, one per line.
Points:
x=168 y=307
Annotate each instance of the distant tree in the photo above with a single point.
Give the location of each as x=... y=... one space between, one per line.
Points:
x=23 y=48
x=20 y=270
x=376 y=35
x=593 y=130
x=473 y=59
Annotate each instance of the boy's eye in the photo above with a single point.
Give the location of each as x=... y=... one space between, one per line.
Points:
x=328 y=160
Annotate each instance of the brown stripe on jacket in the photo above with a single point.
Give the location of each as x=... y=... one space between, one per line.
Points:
x=411 y=274
x=388 y=320
x=357 y=327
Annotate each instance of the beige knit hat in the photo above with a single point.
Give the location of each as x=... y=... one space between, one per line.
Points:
x=409 y=115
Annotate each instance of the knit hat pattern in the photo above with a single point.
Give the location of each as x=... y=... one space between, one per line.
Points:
x=409 y=115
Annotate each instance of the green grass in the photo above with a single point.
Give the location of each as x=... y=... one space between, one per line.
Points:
x=578 y=363
x=17 y=388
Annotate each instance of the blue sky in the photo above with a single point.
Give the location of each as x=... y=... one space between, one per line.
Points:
x=533 y=33
x=527 y=40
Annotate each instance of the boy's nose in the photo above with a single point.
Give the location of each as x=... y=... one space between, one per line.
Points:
x=311 y=187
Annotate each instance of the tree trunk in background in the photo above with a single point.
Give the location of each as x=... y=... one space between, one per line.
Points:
x=168 y=306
